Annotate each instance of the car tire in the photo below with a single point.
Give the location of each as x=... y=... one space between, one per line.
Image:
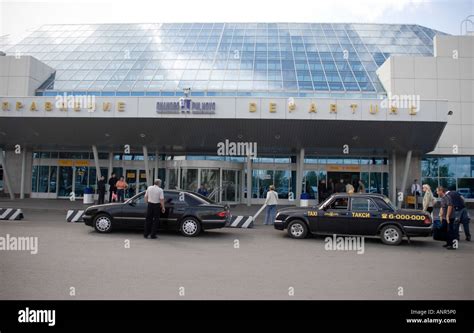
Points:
x=297 y=229
x=391 y=235
x=190 y=227
x=103 y=223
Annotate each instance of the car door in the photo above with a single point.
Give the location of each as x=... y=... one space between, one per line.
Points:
x=364 y=216
x=333 y=217
x=133 y=212
x=175 y=206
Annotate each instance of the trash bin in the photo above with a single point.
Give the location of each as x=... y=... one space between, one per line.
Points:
x=304 y=200
x=88 y=196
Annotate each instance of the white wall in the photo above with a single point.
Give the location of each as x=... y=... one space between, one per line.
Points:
x=22 y=76
x=448 y=75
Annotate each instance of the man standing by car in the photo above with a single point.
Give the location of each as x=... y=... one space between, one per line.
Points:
x=446 y=214
x=155 y=198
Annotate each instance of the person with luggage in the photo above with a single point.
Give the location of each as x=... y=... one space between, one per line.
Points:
x=446 y=215
x=112 y=189
x=461 y=215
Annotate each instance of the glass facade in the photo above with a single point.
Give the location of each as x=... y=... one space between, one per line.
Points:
x=237 y=59
x=451 y=172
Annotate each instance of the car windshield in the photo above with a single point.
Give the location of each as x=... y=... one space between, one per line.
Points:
x=388 y=202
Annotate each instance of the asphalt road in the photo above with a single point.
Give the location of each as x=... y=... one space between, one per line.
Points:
x=266 y=265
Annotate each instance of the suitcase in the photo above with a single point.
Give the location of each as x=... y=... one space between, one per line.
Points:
x=440 y=230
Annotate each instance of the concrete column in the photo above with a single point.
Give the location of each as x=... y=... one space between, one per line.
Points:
x=249 y=180
x=111 y=160
x=405 y=176
x=299 y=175
x=147 y=169
x=157 y=157
x=23 y=173
x=98 y=173
x=393 y=175
x=6 y=178
x=220 y=185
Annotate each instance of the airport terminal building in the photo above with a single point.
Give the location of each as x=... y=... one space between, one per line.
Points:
x=237 y=107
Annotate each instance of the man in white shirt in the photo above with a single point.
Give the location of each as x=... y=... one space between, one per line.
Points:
x=271 y=201
x=155 y=198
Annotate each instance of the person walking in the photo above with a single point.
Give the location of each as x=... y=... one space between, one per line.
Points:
x=428 y=199
x=155 y=199
x=121 y=186
x=112 y=188
x=271 y=201
x=446 y=215
x=101 y=190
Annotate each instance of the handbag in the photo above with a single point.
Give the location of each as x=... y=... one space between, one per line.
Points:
x=440 y=230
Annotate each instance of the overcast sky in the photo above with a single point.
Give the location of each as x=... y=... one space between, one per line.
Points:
x=17 y=17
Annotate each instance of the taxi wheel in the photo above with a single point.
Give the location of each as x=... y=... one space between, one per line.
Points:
x=391 y=235
x=297 y=229
x=103 y=223
x=190 y=227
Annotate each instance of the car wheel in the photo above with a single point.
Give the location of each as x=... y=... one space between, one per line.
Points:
x=190 y=227
x=391 y=235
x=103 y=223
x=297 y=229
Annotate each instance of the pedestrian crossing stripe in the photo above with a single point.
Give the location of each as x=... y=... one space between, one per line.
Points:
x=240 y=221
x=11 y=214
x=74 y=215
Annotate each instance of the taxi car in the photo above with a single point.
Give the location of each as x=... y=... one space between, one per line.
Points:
x=185 y=211
x=364 y=214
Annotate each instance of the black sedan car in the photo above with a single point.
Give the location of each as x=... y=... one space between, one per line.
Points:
x=187 y=212
x=355 y=214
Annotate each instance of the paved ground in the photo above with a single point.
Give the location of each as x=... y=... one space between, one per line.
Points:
x=265 y=266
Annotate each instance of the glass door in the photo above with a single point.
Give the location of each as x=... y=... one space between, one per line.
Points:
x=142 y=185
x=131 y=176
x=230 y=185
x=65 y=181
x=80 y=180
x=210 y=182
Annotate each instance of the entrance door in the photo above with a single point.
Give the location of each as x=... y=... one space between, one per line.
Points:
x=80 y=180
x=347 y=177
x=136 y=180
x=65 y=185
x=229 y=185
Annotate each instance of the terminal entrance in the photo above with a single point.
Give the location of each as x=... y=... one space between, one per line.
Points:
x=348 y=178
x=136 y=180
